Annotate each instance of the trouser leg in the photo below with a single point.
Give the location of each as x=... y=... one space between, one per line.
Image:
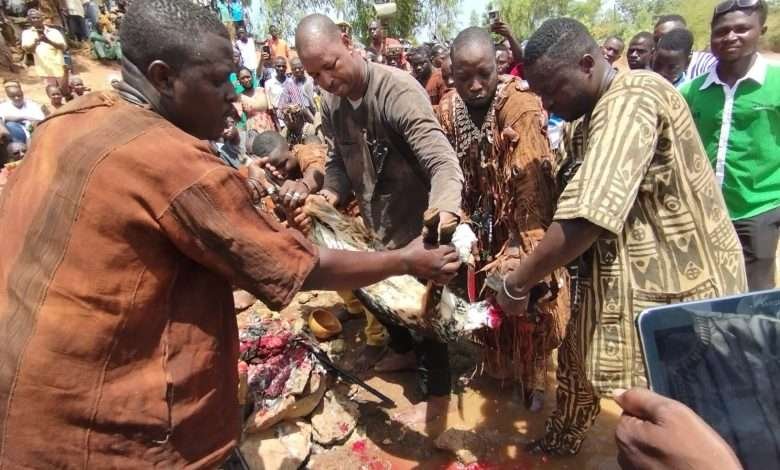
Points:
x=577 y=403
x=759 y=237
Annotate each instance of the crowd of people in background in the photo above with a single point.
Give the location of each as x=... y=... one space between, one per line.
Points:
x=594 y=192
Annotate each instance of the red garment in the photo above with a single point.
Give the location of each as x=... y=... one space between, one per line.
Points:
x=517 y=69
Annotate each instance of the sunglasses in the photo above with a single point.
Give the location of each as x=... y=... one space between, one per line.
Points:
x=731 y=5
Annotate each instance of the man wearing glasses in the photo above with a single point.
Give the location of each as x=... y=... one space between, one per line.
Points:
x=736 y=107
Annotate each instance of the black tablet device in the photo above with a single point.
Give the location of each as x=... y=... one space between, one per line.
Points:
x=721 y=357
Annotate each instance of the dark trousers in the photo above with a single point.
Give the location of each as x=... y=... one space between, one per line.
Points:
x=758 y=236
x=433 y=362
x=77 y=27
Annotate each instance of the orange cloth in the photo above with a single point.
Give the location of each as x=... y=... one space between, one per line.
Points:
x=436 y=87
x=279 y=48
x=122 y=237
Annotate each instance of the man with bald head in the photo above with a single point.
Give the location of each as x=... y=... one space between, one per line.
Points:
x=386 y=147
x=381 y=45
x=507 y=165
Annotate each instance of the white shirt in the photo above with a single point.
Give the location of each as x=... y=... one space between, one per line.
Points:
x=248 y=53
x=274 y=90
x=74 y=7
x=30 y=112
x=757 y=73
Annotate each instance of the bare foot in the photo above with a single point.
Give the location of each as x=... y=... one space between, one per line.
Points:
x=242 y=300
x=424 y=412
x=394 y=362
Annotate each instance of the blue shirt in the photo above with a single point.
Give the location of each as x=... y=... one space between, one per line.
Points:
x=236 y=11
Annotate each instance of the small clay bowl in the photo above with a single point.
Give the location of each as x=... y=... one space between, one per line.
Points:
x=323 y=324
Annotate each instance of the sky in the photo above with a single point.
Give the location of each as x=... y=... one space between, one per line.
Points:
x=466 y=7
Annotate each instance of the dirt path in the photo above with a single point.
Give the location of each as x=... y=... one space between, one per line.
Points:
x=96 y=75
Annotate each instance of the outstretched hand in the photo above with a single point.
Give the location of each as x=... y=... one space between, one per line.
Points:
x=438 y=264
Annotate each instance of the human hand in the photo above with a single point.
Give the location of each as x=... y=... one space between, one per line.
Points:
x=265 y=162
x=510 y=299
x=656 y=432
x=293 y=194
x=501 y=28
x=438 y=264
x=330 y=196
x=300 y=221
x=257 y=182
x=439 y=226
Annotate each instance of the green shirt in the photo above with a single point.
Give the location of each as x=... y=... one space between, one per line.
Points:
x=740 y=128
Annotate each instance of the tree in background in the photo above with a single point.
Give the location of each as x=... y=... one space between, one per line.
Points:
x=438 y=16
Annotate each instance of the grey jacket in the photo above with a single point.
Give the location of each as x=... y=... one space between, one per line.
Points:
x=392 y=154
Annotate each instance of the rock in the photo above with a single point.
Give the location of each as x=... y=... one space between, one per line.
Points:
x=283 y=447
x=465 y=444
x=290 y=406
x=306 y=297
x=338 y=346
x=242 y=300
x=334 y=420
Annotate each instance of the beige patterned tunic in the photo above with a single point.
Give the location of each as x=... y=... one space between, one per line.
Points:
x=639 y=170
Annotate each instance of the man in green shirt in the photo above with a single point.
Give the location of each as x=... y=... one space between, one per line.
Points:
x=736 y=107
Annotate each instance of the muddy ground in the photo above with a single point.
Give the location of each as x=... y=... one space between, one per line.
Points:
x=492 y=419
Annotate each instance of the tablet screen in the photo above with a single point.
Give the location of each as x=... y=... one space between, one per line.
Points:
x=722 y=359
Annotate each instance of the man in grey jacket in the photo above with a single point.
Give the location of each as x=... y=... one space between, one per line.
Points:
x=387 y=148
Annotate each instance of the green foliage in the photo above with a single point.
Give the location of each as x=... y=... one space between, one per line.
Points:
x=412 y=15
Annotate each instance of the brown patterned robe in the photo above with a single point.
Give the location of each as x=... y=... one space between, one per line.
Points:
x=508 y=196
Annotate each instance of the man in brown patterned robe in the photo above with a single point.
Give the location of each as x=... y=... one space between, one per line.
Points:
x=497 y=129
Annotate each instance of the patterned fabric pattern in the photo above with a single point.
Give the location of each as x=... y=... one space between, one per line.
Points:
x=637 y=168
x=508 y=197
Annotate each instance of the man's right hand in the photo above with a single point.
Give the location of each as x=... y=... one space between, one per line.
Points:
x=438 y=264
x=501 y=28
x=658 y=432
x=330 y=196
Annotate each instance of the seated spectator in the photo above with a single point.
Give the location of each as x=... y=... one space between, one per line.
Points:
x=613 y=49
x=229 y=146
x=18 y=113
x=77 y=86
x=672 y=56
x=105 y=45
x=56 y=100
x=640 y=51
x=16 y=151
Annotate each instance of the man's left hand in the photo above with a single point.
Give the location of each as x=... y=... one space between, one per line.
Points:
x=510 y=305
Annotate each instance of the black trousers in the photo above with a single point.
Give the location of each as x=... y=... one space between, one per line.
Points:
x=433 y=361
x=758 y=236
x=77 y=27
